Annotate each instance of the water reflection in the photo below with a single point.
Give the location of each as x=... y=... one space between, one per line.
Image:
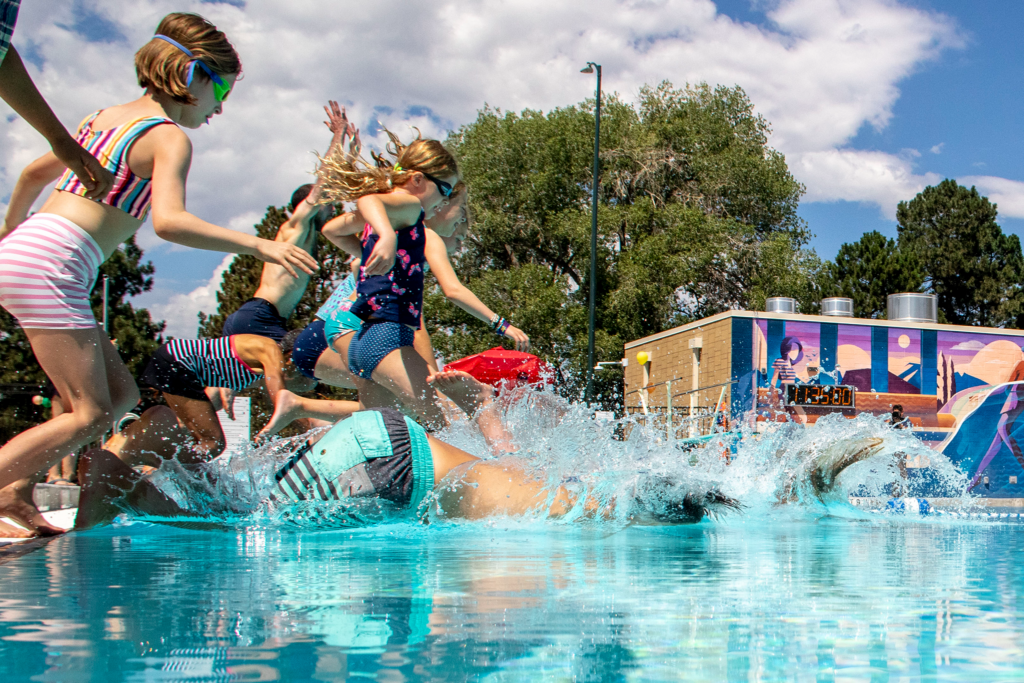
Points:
x=823 y=599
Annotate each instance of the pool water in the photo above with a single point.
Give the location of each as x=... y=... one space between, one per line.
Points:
x=816 y=598
x=798 y=585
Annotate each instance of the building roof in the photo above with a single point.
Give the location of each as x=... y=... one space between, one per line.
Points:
x=799 y=317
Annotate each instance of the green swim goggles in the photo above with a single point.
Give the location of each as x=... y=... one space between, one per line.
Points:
x=221 y=90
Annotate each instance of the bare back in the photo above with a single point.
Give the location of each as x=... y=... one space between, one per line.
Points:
x=277 y=285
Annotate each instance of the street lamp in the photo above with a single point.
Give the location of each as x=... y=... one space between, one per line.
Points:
x=589 y=69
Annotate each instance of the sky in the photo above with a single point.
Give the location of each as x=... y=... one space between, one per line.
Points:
x=870 y=100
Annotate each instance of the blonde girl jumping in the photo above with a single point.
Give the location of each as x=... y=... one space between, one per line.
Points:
x=394 y=200
x=49 y=262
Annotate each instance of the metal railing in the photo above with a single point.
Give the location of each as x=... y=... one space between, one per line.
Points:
x=696 y=420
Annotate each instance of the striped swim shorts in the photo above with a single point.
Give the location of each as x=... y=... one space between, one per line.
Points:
x=48 y=266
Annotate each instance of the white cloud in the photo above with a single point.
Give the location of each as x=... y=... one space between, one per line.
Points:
x=819 y=71
x=937 y=149
x=1008 y=195
x=973 y=345
x=859 y=176
x=181 y=310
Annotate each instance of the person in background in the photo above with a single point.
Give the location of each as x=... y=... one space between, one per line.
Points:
x=21 y=94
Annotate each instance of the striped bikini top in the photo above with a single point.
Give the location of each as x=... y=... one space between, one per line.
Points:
x=214 y=362
x=130 y=193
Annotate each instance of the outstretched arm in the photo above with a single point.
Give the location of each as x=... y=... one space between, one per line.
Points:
x=458 y=294
x=18 y=90
x=295 y=229
x=171 y=221
x=31 y=182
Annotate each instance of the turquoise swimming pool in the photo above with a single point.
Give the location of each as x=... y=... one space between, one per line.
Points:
x=818 y=598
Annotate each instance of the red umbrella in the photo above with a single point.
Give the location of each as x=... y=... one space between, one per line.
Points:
x=497 y=365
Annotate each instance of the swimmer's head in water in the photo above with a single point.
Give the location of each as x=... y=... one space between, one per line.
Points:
x=162 y=66
x=667 y=501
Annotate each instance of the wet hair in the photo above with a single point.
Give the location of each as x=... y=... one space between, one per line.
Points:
x=897 y=408
x=164 y=67
x=670 y=501
x=287 y=343
x=345 y=179
x=299 y=195
x=787 y=345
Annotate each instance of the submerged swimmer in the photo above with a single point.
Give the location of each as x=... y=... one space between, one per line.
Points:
x=381 y=454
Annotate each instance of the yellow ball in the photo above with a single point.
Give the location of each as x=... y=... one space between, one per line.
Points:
x=642 y=358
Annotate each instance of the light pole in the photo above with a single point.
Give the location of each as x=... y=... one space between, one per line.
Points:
x=589 y=69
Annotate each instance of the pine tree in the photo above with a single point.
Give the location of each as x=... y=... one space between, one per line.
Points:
x=975 y=270
x=871 y=269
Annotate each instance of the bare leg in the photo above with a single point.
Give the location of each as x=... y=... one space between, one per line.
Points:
x=200 y=419
x=105 y=479
x=65 y=470
x=404 y=373
x=17 y=504
x=332 y=366
x=289 y=407
x=89 y=376
x=475 y=398
x=421 y=342
x=156 y=437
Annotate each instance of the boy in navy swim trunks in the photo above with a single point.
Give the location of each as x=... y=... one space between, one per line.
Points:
x=274 y=301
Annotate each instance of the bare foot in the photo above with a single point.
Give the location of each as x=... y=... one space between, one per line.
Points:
x=287 y=409
x=466 y=391
x=13 y=531
x=17 y=504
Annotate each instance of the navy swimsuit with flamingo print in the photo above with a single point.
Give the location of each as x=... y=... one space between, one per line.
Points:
x=389 y=305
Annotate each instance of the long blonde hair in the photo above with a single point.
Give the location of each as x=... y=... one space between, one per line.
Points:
x=344 y=178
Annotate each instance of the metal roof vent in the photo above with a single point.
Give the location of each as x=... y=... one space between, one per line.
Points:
x=780 y=304
x=911 y=307
x=837 y=307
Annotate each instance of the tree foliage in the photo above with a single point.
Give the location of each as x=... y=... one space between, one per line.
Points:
x=133 y=331
x=871 y=269
x=974 y=269
x=697 y=215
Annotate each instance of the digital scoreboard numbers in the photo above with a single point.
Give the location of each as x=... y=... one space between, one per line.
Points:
x=820 y=395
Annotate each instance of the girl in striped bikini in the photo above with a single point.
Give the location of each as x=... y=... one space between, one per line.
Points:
x=49 y=262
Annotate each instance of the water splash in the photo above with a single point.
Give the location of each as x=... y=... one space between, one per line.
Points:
x=613 y=473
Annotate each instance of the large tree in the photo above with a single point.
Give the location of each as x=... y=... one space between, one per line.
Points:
x=132 y=330
x=973 y=268
x=871 y=269
x=697 y=215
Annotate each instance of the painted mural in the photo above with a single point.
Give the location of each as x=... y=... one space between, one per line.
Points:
x=963 y=391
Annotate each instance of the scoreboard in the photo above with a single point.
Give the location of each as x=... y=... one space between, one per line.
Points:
x=820 y=395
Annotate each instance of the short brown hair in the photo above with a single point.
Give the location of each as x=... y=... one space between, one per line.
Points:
x=162 y=66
